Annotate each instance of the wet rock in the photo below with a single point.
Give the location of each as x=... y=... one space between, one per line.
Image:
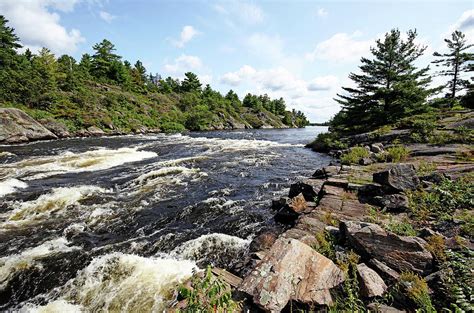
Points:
x=16 y=126
x=95 y=131
x=382 y=308
x=376 y=147
x=394 y=203
x=398 y=178
x=263 y=241
x=310 y=189
x=292 y=270
x=319 y=173
x=57 y=128
x=371 y=284
x=384 y=271
x=402 y=253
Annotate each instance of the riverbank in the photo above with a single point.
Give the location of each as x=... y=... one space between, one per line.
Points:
x=390 y=229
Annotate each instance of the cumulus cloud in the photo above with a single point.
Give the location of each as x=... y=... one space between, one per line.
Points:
x=182 y=64
x=323 y=83
x=37 y=23
x=465 y=23
x=322 y=12
x=186 y=35
x=107 y=17
x=240 y=12
x=341 y=47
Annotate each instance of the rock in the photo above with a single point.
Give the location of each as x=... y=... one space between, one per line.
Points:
x=310 y=189
x=398 y=178
x=16 y=126
x=263 y=241
x=338 y=182
x=366 y=161
x=291 y=210
x=396 y=202
x=376 y=147
x=82 y=133
x=382 y=308
x=468 y=123
x=292 y=270
x=333 y=190
x=57 y=128
x=430 y=150
x=371 y=285
x=384 y=271
x=403 y=253
x=319 y=173
x=95 y=131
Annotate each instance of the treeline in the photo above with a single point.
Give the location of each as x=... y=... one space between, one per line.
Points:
x=390 y=86
x=105 y=91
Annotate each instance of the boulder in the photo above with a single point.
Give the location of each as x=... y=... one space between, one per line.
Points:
x=290 y=211
x=395 y=202
x=384 y=271
x=376 y=147
x=382 y=308
x=366 y=161
x=292 y=270
x=16 y=126
x=371 y=284
x=57 y=128
x=402 y=253
x=263 y=241
x=326 y=172
x=310 y=189
x=95 y=131
x=397 y=178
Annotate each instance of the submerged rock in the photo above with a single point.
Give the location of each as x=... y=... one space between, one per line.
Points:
x=16 y=126
x=398 y=178
x=403 y=253
x=292 y=270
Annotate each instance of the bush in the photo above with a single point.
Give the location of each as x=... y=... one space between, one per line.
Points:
x=326 y=244
x=172 y=127
x=354 y=155
x=422 y=130
x=417 y=290
x=397 y=153
x=403 y=228
x=326 y=142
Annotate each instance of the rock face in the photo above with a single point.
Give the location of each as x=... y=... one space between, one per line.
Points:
x=395 y=202
x=309 y=188
x=17 y=126
x=402 y=253
x=398 y=178
x=95 y=131
x=291 y=209
x=56 y=128
x=371 y=283
x=292 y=270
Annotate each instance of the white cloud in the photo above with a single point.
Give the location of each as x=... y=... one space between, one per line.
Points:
x=237 y=12
x=182 y=64
x=186 y=35
x=107 y=17
x=465 y=23
x=341 y=47
x=322 y=12
x=37 y=24
x=323 y=83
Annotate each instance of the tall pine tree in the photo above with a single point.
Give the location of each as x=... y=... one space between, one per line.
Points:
x=456 y=62
x=389 y=87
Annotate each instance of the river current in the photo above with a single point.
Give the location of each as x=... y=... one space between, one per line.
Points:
x=114 y=223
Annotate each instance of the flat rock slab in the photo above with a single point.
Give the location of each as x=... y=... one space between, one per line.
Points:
x=17 y=126
x=291 y=270
x=402 y=253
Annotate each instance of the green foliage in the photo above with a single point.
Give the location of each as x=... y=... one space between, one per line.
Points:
x=443 y=199
x=325 y=142
x=397 y=153
x=425 y=168
x=460 y=279
x=422 y=130
x=326 y=244
x=417 y=290
x=207 y=294
x=403 y=228
x=354 y=155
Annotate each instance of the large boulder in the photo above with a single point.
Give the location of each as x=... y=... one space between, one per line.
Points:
x=310 y=189
x=398 y=178
x=57 y=128
x=16 y=126
x=292 y=270
x=395 y=202
x=372 y=285
x=291 y=209
x=95 y=131
x=402 y=253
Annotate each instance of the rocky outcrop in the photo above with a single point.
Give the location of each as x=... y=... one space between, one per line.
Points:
x=371 y=284
x=398 y=178
x=95 y=131
x=57 y=128
x=402 y=253
x=16 y=126
x=292 y=270
x=309 y=188
x=393 y=203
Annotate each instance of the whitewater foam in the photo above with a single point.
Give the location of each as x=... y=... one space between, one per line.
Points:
x=11 y=185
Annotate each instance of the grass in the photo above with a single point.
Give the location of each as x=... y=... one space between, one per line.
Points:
x=398 y=153
x=403 y=228
x=417 y=290
x=354 y=155
x=437 y=246
x=325 y=244
x=425 y=168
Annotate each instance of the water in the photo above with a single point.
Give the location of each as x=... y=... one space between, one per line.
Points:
x=113 y=224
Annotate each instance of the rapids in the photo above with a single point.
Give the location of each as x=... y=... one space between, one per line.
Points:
x=114 y=223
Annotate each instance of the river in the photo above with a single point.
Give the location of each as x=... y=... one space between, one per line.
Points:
x=114 y=223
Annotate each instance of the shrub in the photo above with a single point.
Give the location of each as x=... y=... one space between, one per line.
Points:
x=417 y=291
x=326 y=142
x=422 y=129
x=403 y=228
x=354 y=155
x=425 y=168
x=436 y=245
x=207 y=294
x=460 y=279
x=397 y=153
x=172 y=127
x=325 y=244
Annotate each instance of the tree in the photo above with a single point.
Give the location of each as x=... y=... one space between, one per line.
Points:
x=104 y=60
x=67 y=69
x=389 y=87
x=191 y=83
x=253 y=102
x=456 y=62
x=9 y=42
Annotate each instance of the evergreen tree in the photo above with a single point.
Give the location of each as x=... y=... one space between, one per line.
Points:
x=191 y=83
x=389 y=87
x=9 y=42
x=67 y=77
x=456 y=62
x=104 y=60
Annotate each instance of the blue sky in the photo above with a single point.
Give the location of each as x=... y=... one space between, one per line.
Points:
x=300 y=50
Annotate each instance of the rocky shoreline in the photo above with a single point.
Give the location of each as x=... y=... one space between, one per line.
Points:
x=344 y=245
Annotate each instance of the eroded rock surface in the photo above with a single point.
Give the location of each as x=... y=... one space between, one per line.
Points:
x=16 y=126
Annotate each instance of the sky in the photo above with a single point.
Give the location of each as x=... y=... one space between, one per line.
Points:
x=300 y=50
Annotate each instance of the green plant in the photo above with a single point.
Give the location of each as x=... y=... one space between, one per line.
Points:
x=466 y=217
x=398 y=153
x=437 y=246
x=441 y=138
x=325 y=142
x=354 y=155
x=422 y=129
x=207 y=293
x=403 y=228
x=425 y=168
x=325 y=244
x=417 y=290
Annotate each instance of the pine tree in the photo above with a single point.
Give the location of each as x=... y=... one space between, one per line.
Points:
x=456 y=62
x=191 y=83
x=104 y=60
x=389 y=87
